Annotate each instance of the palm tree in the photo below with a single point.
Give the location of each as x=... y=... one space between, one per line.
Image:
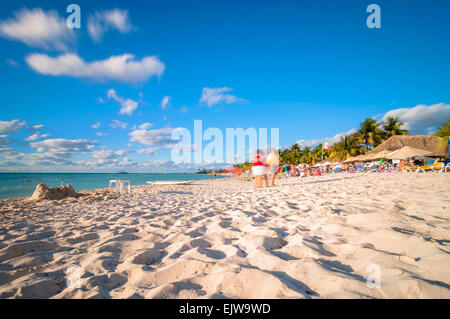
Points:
x=305 y=155
x=370 y=134
x=392 y=126
x=295 y=154
x=444 y=130
x=346 y=147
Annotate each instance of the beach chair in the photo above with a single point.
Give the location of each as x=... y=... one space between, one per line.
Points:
x=115 y=182
x=438 y=168
x=447 y=167
x=435 y=167
x=122 y=185
x=372 y=168
x=405 y=169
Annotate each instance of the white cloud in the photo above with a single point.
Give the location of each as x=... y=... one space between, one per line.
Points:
x=329 y=140
x=149 y=151
x=36 y=136
x=11 y=126
x=101 y=134
x=64 y=145
x=184 y=147
x=118 y=124
x=37 y=28
x=165 y=102
x=96 y=125
x=151 y=137
x=156 y=163
x=34 y=128
x=421 y=119
x=108 y=155
x=213 y=96
x=122 y=68
x=101 y=22
x=127 y=105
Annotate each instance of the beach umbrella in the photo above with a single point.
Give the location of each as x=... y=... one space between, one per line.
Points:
x=350 y=159
x=283 y=168
x=407 y=152
x=377 y=156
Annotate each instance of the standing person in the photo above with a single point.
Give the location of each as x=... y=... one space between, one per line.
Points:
x=273 y=162
x=258 y=169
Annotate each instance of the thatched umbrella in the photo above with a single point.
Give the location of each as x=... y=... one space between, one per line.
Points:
x=363 y=158
x=407 y=152
x=377 y=156
x=352 y=159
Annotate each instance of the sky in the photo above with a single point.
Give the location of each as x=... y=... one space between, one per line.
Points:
x=107 y=96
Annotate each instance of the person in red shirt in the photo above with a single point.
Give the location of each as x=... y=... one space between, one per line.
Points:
x=259 y=169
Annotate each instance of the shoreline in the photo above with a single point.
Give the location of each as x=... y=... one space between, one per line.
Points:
x=86 y=192
x=311 y=237
x=105 y=188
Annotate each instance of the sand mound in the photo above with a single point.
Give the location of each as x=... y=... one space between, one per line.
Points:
x=43 y=192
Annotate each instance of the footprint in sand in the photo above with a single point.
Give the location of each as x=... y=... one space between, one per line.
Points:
x=33 y=237
x=44 y=289
x=108 y=282
x=273 y=243
x=212 y=253
x=150 y=257
x=200 y=242
x=115 y=248
x=179 y=289
x=19 y=249
x=225 y=224
x=82 y=239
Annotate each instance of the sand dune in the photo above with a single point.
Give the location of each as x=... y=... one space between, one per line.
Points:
x=317 y=237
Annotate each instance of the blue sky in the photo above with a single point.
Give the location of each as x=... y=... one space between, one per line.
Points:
x=312 y=69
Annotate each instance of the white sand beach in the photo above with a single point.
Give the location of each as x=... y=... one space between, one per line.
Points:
x=316 y=237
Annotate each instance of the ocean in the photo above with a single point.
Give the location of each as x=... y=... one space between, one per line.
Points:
x=23 y=184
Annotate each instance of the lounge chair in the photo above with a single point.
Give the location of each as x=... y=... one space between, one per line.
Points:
x=435 y=167
x=447 y=167
x=359 y=168
x=336 y=170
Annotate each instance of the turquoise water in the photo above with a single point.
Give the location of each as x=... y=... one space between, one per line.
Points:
x=23 y=184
